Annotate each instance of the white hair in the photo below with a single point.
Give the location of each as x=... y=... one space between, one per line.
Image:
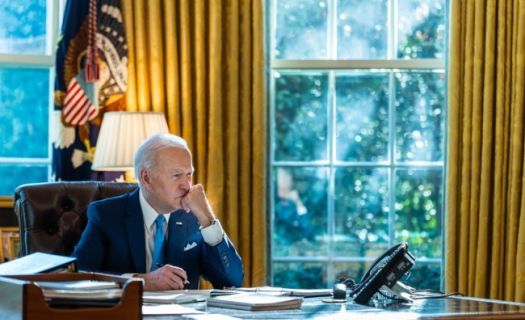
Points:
x=145 y=156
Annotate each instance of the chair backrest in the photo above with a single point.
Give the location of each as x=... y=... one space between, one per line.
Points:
x=52 y=216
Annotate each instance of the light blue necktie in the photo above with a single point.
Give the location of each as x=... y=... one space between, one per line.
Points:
x=157 y=260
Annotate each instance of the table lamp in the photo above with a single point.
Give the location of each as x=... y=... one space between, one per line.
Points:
x=120 y=135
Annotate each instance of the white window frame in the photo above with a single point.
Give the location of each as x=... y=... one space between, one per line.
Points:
x=390 y=64
x=54 y=9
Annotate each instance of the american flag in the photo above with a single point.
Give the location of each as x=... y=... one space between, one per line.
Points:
x=78 y=108
x=105 y=33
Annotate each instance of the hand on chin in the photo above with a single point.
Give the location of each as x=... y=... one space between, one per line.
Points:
x=179 y=204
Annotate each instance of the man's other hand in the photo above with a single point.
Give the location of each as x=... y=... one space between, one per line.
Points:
x=197 y=202
x=167 y=277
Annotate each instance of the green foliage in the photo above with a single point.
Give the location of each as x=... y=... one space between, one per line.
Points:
x=300 y=29
x=361 y=211
x=362 y=116
x=302 y=234
x=300 y=116
x=299 y=275
x=427 y=38
x=418 y=211
x=419 y=127
x=359 y=37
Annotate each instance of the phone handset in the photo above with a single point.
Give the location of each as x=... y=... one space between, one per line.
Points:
x=385 y=271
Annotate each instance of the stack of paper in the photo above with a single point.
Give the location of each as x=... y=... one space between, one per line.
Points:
x=255 y=302
x=167 y=309
x=82 y=292
x=276 y=291
x=306 y=293
x=172 y=297
x=77 y=285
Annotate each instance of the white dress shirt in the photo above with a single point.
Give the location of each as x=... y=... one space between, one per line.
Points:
x=150 y=215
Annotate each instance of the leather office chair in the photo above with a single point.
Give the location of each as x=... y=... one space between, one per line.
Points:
x=52 y=216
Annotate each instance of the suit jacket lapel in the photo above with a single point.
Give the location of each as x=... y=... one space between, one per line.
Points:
x=135 y=231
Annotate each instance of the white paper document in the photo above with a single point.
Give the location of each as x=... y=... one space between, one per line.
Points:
x=168 y=309
x=174 y=296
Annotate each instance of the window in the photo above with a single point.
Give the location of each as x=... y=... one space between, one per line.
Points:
x=27 y=42
x=357 y=137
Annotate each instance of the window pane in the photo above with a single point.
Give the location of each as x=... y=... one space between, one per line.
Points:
x=300 y=116
x=361 y=212
x=420 y=103
x=300 y=224
x=421 y=29
x=354 y=269
x=424 y=275
x=362 y=116
x=23 y=26
x=311 y=275
x=418 y=211
x=14 y=175
x=24 y=111
x=359 y=37
x=300 y=30
x=357 y=153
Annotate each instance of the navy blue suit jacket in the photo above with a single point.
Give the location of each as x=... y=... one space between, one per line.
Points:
x=113 y=241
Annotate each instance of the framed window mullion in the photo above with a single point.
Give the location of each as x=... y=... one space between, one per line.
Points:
x=391 y=157
x=331 y=126
x=22 y=59
x=331 y=171
x=331 y=42
x=358 y=64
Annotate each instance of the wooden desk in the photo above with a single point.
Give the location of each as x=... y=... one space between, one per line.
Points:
x=449 y=308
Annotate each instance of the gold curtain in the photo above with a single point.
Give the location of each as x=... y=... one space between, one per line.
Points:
x=485 y=229
x=202 y=64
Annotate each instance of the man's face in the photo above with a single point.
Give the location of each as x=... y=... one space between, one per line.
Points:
x=169 y=180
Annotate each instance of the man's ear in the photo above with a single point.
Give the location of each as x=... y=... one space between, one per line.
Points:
x=145 y=177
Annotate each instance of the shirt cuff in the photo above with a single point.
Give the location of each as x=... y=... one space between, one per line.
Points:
x=213 y=234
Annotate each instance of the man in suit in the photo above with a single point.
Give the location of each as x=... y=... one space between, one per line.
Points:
x=165 y=231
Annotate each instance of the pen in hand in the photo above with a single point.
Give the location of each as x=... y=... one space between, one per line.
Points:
x=160 y=265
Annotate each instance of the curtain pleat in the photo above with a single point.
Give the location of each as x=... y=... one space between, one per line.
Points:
x=518 y=195
x=231 y=115
x=171 y=65
x=258 y=141
x=203 y=74
x=485 y=231
x=155 y=48
x=131 y=91
x=202 y=64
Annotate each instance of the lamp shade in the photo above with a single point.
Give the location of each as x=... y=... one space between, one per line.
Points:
x=121 y=134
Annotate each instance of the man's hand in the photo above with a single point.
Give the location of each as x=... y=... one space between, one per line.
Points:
x=197 y=202
x=167 y=277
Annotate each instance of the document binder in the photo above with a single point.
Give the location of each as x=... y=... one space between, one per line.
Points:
x=22 y=298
